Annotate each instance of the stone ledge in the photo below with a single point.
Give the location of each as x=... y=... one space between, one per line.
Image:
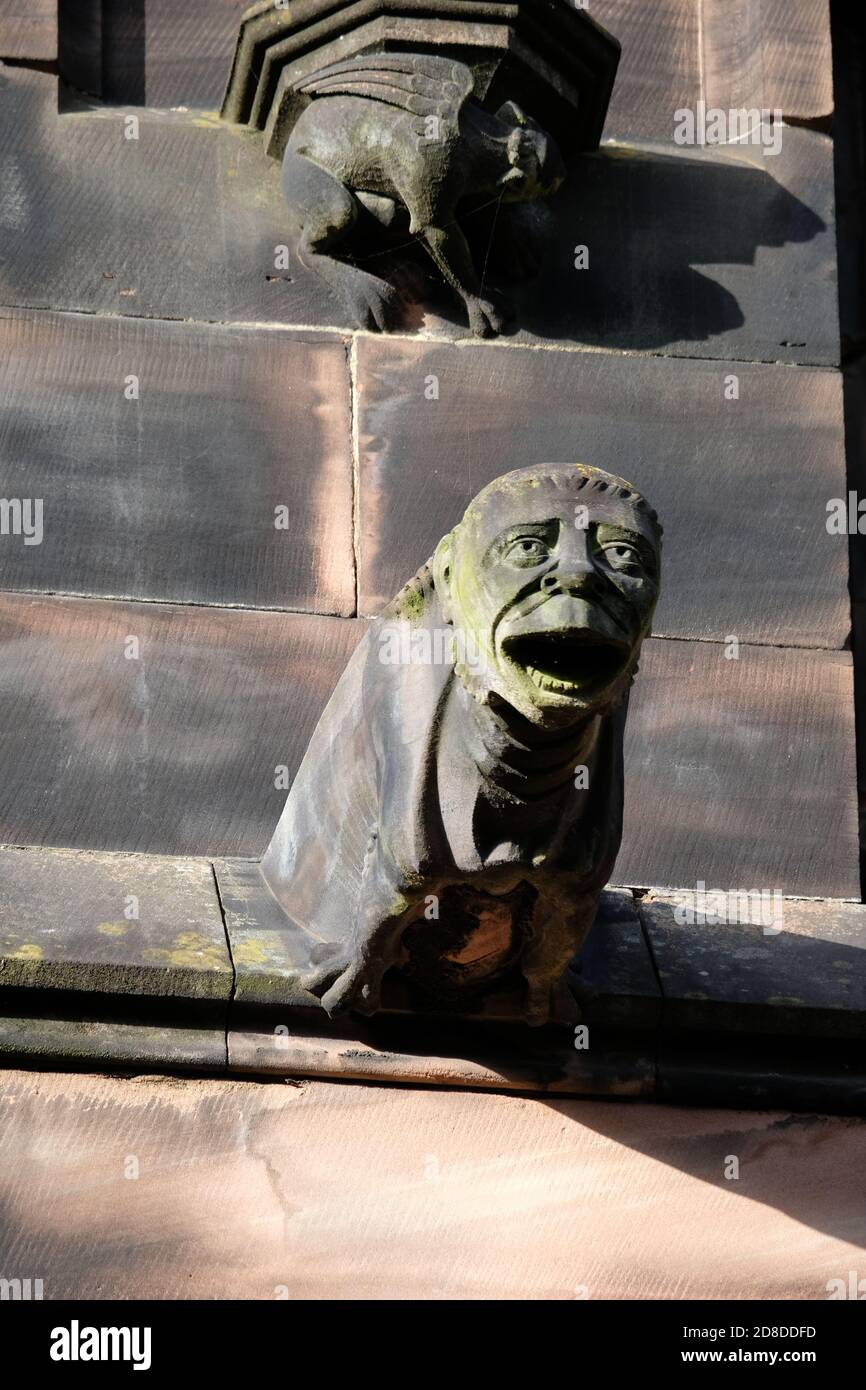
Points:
x=111 y=924
x=803 y=976
x=204 y=979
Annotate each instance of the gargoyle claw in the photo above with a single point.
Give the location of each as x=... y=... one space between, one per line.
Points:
x=486 y=318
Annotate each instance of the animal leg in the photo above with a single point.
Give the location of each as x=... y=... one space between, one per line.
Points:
x=450 y=250
x=558 y=933
x=352 y=978
x=324 y=214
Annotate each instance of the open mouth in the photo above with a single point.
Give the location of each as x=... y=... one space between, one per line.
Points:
x=566 y=663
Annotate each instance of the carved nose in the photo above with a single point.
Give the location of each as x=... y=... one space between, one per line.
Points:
x=580 y=576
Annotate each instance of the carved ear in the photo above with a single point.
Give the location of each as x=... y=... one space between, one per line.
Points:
x=441 y=567
x=514 y=115
x=511 y=113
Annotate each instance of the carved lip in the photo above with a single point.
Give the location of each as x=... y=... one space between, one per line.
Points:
x=567 y=661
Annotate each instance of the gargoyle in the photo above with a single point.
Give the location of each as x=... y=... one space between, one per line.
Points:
x=459 y=808
x=391 y=134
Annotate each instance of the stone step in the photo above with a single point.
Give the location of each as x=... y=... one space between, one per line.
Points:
x=130 y=960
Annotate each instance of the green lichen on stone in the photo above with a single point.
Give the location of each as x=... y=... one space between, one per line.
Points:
x=409 y=603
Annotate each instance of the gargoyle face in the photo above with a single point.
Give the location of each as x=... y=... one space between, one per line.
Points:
x=536 y=168
x=553 y=575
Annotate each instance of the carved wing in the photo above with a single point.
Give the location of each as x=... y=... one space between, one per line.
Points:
x=421 y=84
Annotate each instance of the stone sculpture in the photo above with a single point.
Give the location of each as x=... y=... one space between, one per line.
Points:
x=402 y=120
x=459 y=808
x=398 y=139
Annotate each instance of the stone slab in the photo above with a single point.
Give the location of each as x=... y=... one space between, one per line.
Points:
x=764 y=53
x=746 y=549
x=175 y=745
x=261 y=943
x=741 y=773
x=81 y=230
x=117 y=1044
x=794 y=967
x=172 y=494
x=804 y=1074
x=28 y=29
x=66 y=924
x=332 y=1191
x=668 y=269
x=614 y=977
x=204 y=976
x=96 y=750
x=186 y=53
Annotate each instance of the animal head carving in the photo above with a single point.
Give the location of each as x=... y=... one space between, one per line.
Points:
x=552 y=576
x=536 y=166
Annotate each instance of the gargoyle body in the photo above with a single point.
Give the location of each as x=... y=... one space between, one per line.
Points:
x=390 y=135
x=459 y=808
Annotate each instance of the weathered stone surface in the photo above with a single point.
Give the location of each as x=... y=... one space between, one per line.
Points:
x=613 y=978
x=790 y=966
x=175 y=750
x=747 y=767
x=804 y=1074
x=83 y=232
x=79 y=988
x=325 y=1191
x=758 y=53
x=158 y=53
x=617 y=1067
x=267 y=954
x=82 y=236
x=77 y=1042
x=28 y=29
x=162 y=453
x=716 y=470
x=83 y=725
x=671 y=270
x=67 y=923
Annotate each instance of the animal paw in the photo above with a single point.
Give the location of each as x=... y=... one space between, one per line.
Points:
x=370 y=306
x=486 y=317
x=354 y=989
x=321 y=975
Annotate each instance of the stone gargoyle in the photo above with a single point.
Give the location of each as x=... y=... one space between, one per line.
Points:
x=398 y=140
x=459 y=808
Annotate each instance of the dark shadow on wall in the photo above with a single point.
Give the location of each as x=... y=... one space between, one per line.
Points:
x=102 y=49
x=648 y=220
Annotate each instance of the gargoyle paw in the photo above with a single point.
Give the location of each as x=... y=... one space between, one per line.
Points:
x=353 y=990
x=370 y=307
x=321 y=975
x=487 y=318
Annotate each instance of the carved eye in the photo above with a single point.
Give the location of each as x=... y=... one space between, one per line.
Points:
x=527 y=551
x=622 y=556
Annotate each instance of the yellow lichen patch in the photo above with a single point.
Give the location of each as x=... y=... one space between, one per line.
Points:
x=191 y=950
x=28 y=951
x=112 y=928
x=208 y=120
x=251 y=952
